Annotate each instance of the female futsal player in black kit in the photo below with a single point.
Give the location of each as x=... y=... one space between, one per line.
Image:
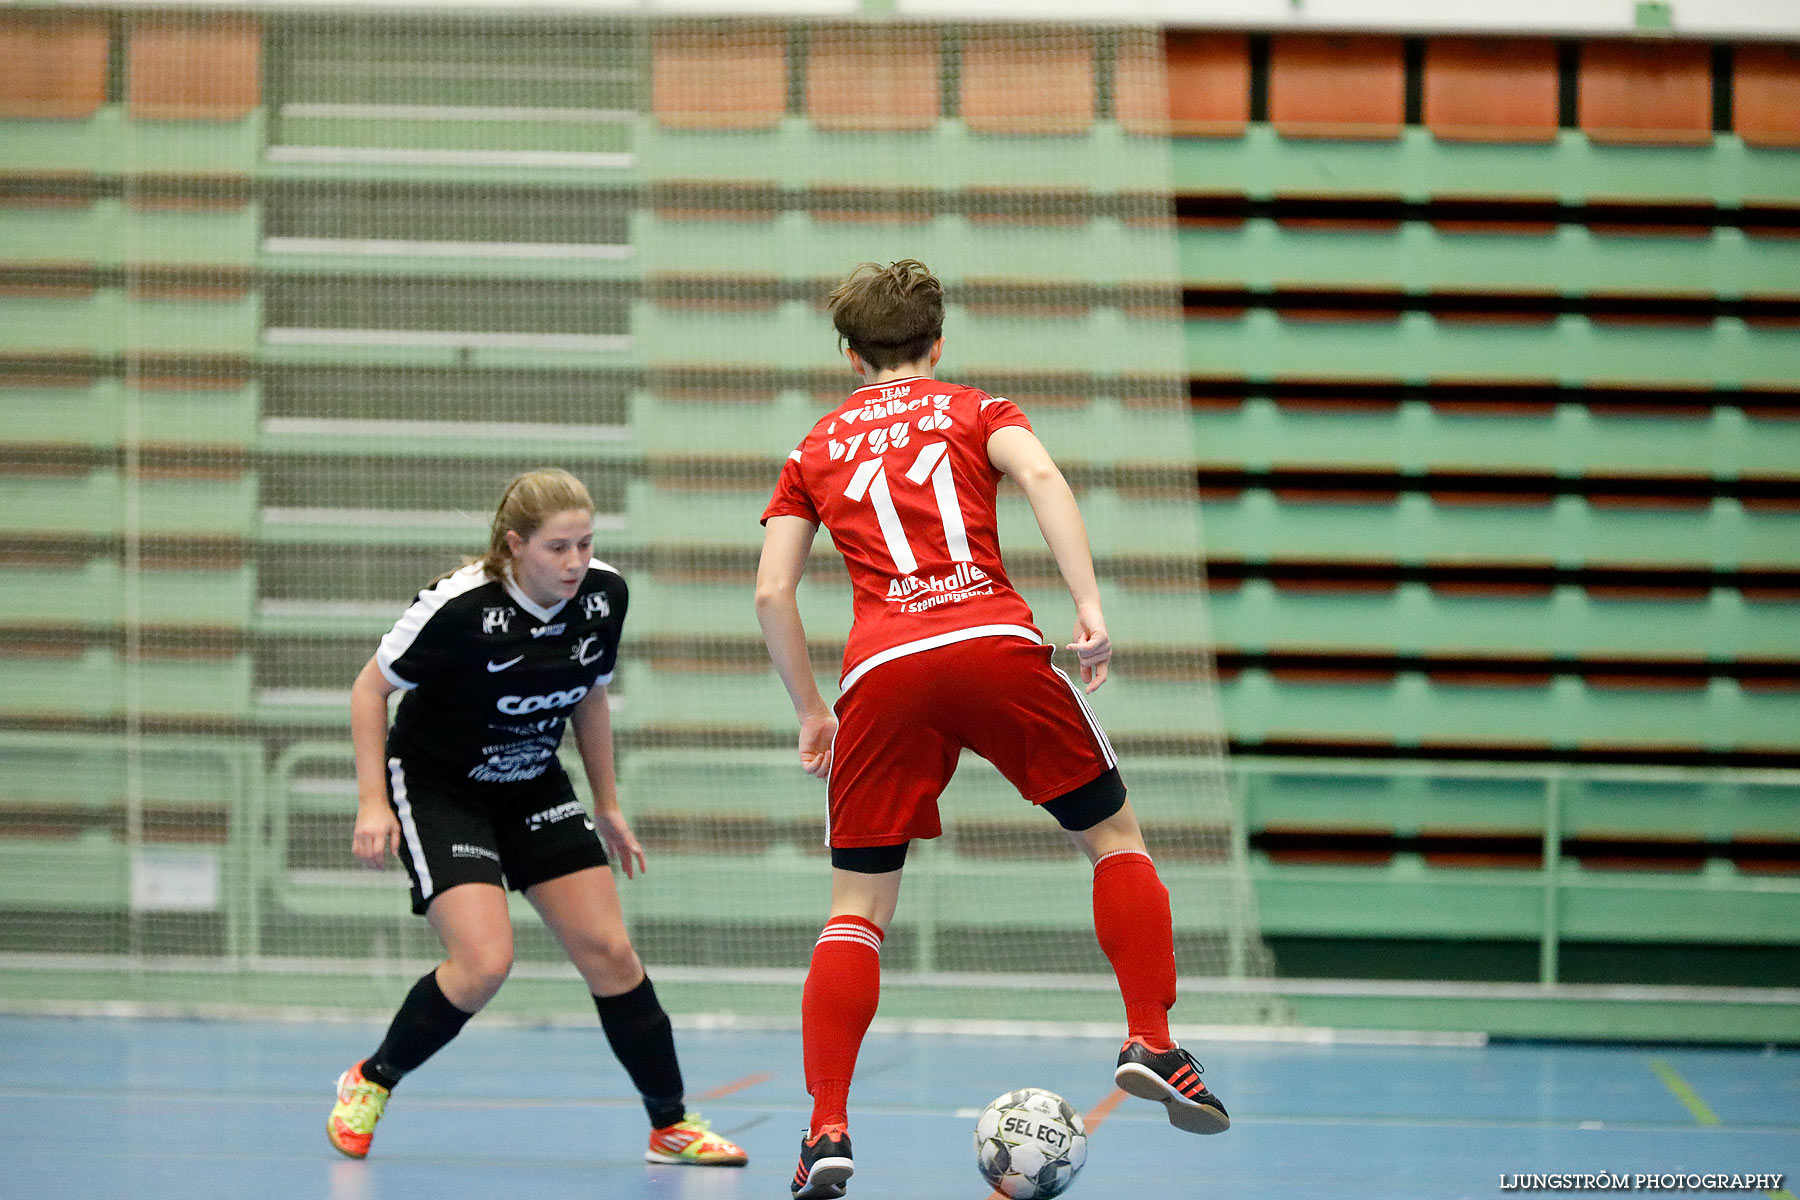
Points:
x=466 y=789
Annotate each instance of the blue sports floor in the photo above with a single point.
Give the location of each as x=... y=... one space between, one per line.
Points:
x=155 y=1110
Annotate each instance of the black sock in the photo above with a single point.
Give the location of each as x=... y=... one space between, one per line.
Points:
x=641 y=1037
x=424 y=1025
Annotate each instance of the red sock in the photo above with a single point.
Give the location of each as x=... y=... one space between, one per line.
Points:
x=1131 y=918
x=842 y=989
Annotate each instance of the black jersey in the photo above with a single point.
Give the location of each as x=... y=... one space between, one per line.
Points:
x=491 y=677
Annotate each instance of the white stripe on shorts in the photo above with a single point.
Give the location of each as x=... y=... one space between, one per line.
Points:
x=1112 y=760
x=408 y=829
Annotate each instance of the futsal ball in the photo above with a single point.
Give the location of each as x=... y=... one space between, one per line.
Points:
x=1030 y=1143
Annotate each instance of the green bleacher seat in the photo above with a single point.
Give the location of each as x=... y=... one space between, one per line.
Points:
x=1256 y=525
x=1416 y=257
x=1574 y=350
x=91 y=412
x=91 y=593
x=1414 y=618
x=797 y=154
x=1411 y=709
x=92 y=683
x=1259 y=434
x=104 y=324
x=818 y=245
x=195 y=148
x=672 y=697
x=86 y=233
x=109 y=141
x=82 y=326
x=1572 y=169
x=70 y=146
x=222 y=236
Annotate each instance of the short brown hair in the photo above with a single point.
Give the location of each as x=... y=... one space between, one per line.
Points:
x=890 y=315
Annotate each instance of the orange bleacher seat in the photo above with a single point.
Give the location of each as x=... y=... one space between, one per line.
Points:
x=1647 y=93
x=1025 y=83
x=719 y=78
x=1766 y=95
x=1183 y=83
x=1491 y=89
x=187 y=71
x=1325 y=86
x=52 y=66
x=885 y=79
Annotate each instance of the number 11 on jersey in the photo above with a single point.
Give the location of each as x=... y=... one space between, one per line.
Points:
x=933 y=463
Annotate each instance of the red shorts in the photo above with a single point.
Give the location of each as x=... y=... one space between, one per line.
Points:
x=903 y=724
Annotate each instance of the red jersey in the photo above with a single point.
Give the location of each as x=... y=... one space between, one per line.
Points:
x=899 y=474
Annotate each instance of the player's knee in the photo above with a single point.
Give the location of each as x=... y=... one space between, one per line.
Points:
x=486 y=966
x=609 y=951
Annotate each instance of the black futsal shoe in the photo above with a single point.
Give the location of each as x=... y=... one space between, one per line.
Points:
x=825 y=1165
x=1172 y=1079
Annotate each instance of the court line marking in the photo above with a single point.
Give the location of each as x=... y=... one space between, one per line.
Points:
x=1702 y=1112
x=1690 y=1099
x=1096 y=1116
x=736 y=1085
x=959 y=1112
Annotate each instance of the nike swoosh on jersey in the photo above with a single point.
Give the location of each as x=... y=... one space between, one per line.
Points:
x=494 y=666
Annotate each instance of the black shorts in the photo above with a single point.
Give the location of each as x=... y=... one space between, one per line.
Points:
x=453 y=831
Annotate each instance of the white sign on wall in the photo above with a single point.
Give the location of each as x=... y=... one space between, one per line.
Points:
x=174 y=879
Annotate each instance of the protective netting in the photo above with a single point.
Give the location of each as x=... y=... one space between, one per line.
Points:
x=351 y=272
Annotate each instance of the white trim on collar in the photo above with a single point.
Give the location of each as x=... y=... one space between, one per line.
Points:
x=526 y=602
x=891 y=383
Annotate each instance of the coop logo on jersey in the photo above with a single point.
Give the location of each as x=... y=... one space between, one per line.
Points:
x=496 y=620
x=595 y=602
x=551 y=816
x=966 y=575
x=518 y=706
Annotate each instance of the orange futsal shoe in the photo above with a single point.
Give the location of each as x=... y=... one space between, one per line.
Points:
x=690 y=1142
x=351 y=1126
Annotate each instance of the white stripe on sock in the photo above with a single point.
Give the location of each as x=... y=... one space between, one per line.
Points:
x=847 y=932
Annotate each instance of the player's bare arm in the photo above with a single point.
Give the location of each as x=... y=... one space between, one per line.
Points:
x=787 y=542
x=1017 y=454
x=377 y=832
x=592 y=723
